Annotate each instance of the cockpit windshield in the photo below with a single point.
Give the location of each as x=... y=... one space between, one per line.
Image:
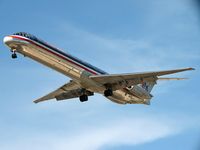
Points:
x=27 y=35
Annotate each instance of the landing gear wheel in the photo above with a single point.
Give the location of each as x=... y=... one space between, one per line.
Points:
x=14 y=55
x=83 y=98
x=108 y=92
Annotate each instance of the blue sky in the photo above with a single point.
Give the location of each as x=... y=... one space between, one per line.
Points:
x=119 y=37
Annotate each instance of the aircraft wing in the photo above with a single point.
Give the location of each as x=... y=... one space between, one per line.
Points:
x=67 y=89
x=134 y=78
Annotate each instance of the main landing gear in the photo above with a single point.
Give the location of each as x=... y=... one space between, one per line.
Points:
x=84 y=95
x=108 y=92
x=14 y=55
x=83 y=98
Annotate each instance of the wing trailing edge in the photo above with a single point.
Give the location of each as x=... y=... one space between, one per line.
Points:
x=66 y=88
x=135 y=78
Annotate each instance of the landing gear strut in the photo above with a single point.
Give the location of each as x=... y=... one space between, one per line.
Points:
x=108 y=92
x=83 y=98
x=14 y=55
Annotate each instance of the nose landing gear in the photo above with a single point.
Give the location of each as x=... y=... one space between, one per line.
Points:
x=14 y=55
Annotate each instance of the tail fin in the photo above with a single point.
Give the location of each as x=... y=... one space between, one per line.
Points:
x=148 y=85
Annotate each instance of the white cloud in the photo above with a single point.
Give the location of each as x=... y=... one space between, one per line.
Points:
x=131 y=54
x=129 y=132
x=114 y=133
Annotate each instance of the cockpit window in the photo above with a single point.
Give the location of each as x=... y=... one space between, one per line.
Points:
x=27 y=35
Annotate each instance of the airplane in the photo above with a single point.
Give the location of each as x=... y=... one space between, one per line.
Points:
x=130 y=88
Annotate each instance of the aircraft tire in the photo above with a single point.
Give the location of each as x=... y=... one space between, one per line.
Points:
x=14 y=55
x=83 y=98
x=108 y=92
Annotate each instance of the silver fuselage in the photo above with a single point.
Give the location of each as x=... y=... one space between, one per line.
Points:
x=74 y=68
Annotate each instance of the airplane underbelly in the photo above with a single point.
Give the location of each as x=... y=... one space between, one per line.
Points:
x=51 y=61
x=122 y=97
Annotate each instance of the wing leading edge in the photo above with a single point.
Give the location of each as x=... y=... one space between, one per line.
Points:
x=68 y=89
x=136 y=77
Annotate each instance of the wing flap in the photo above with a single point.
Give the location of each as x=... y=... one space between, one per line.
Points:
x=115 y=78
x=167 y=79
x=63 y=89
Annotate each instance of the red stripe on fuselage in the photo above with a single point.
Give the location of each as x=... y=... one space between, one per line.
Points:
x=54 y=53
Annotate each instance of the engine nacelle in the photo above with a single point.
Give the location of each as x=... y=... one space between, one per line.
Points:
x=140 y=92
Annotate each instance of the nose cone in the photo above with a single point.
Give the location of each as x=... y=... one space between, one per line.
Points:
x=7 y=40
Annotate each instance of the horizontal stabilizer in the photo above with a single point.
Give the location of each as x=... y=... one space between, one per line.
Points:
x=172 y=79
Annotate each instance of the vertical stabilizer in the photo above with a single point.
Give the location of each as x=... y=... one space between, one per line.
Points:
x=148 y=85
